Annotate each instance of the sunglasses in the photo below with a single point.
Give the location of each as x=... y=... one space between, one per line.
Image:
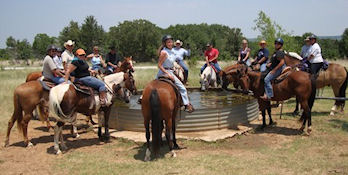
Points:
x=83 y=55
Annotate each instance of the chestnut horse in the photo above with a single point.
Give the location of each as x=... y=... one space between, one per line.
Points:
x=65 y=101
x=159 y=103
x=25 y=99
x=298 y=83
x=335 y=76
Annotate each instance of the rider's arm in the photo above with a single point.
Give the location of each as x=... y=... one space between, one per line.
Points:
x=70 y=68
x=102 y=61
x=279 y=65
x=239 y=56
x=162 y=58
x=90 y=55
x=216 y=56
x=262 y=60
x=247 y=56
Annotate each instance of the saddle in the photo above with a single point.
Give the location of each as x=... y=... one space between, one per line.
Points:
x=285 y=73
x=176 y=89
x=79 y=86
x=47 y=83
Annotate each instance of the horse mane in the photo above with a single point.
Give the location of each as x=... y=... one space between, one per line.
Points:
x=112 y=79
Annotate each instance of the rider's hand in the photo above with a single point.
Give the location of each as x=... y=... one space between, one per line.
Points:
x=272 y=72
x=171 y=77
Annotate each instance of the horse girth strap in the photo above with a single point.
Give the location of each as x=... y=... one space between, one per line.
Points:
x=176 y=90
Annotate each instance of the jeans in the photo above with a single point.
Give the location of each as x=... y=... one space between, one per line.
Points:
x=269 y=78
x=315 y=67
x=110 y=68
x=216 y=65
x=58 y=80
x=178 y=83
x=263 y=67
x=93 y=83
x=184 y=66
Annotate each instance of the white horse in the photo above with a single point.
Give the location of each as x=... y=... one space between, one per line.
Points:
x=208 y=78
x=178 y=71
x=65 y=101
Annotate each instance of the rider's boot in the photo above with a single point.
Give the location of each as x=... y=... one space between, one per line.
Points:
x=102 y=97
x=189 y=108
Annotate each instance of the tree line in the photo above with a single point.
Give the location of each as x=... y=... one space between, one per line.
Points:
x=140 y=38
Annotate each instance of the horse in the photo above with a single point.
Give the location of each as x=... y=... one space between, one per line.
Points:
x=335 y=76
x=179 y=72
x=297 y=83
x=208 y=78
x=228 y=77
x=26 y=97
x=160 y=103
x=126 y=65
x=65 y=101
x=32 y=76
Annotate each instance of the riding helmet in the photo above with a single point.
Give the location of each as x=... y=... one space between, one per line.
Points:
x=166 y=37
x=59 y=49
x=51 y=47
x=279 y=40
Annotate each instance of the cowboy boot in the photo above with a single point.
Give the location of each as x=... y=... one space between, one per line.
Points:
x=102 y=98
x=189 y=108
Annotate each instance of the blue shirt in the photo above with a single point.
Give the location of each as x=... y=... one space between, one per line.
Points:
x=171 y=57
x=95 y=61
x=305 y=51
x=262 y=53
x=181 y=52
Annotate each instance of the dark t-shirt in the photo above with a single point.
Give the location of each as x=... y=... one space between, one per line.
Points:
x=81 y=68
x=262 y=53
x=112 y=58
x=277 y=55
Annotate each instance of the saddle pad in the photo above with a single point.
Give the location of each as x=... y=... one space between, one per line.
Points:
x=285 y=73
x=85 y=89
x=176 y=89
x=47 y=84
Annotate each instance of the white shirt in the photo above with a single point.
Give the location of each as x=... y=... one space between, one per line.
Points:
x=315 y=50
x=58 y=61
x=180 y=53
x=67 y=56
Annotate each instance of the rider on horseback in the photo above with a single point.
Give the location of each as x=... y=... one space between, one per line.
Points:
x=50 y=70
x=82 y=73
x=262 y=56
x=166 y=64
x=315 y=58
x=211 y=55
x=244 y=53
x=275 y=68
x=112 y=60
x=180 y=53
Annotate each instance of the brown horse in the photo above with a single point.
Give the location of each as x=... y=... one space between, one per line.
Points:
x=126 y=65
x=159 y=103
x=228 y=75
x=298 y=83
x=65 y=101
x=33 y=76
x=25 y=98
x=335 y=76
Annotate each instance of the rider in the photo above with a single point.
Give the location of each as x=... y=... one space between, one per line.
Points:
x=275 y=67
x=262 y=56
x=112 y=59
x=97 y=60
x=68 y=55
x=58 y=59
x=180 y=53
x=50 y=70
x=315 y=58
x=166 y=66
x=211 y=54
x=82 y=73
x=306 y=48
x=244 y=53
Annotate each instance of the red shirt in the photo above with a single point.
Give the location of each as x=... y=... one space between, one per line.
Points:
x=212 y=54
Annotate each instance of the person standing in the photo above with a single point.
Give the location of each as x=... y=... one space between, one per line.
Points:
x=49 y=69
x=244 y=53
x=68 y=55
x=166 y=66
x=112 y=60
x=181 y=53
x=275 y=67
x=211 y=54
x=315 y=58
x=262 y=56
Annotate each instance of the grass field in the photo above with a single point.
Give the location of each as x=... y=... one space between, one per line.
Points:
x=275 y=150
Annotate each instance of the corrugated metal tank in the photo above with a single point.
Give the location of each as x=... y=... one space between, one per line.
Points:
x=202 y=119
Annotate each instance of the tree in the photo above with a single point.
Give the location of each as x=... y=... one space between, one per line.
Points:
x=343 y=44
x=138 y=38
x=70 y=32
x=91 y=34
x=24 y=50
x=11 y=42
x=41 y=41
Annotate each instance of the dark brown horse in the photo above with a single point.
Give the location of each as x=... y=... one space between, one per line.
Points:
x=335 y=76
x=25 y=99
x=298 y=83
x=65 y=101
x=159 y=103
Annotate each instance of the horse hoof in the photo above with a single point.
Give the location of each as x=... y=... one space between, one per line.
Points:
x=176 y=146
x=332 y=113
x=295 y=113
x=302 y=129
x=309 y=130
x=29 y=145
x=272 y=123
x=59 y=152
x=76 y=136
x=173 y=154
x=147 y=155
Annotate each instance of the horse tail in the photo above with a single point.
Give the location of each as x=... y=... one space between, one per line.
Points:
x=342 y=92
x=156 y=121
x=17 y=111
x=55 y=98
x=41 y=112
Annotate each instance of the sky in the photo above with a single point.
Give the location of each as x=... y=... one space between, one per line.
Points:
x=23 y=19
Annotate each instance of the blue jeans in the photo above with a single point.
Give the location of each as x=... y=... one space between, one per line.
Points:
x=184 y=66
x=269 y=78
x=110 y=68
x=216 y=65
x=179 y=84
x=58 y=80
x=263 y=67
x=93 y=83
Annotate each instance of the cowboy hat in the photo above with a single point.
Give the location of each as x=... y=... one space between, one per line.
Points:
x=262 y=42
x=178 y=42
x=69 y=43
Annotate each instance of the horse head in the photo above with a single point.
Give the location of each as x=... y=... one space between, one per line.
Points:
x=130 y=82
x=127 y=64
x=204 y=81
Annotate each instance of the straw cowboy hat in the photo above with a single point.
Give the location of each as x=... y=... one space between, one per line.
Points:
x=307 y=38
x=262 y=42
x=178 y=42
x=69 y=43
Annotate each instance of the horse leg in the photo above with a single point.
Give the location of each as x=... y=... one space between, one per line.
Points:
x=74 y=127
x=64 y=147
x=296 y=111
x=304 y=116
x=148 y=152
x=9 y=127
x=106 y=124
x=269 y=111
x=100 y=125
x=176 y=146
x=309 y=123
x=263 y=113
x=24 y=123
x=169 y=137
x=57 y=130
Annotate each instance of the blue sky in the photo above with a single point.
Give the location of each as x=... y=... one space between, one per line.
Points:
x=25 y=18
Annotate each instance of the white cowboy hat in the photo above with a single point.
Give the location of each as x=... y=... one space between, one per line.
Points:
x=69 y=43
x=178 y=41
